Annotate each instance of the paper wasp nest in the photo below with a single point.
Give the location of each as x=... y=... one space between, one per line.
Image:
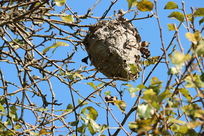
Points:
x=114 y=48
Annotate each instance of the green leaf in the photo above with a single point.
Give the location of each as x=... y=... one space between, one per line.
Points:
x=194 y=81
x=42 y=109
x=201 y=21
x=185 y=93
x=81 y=129
x=92 y=85
x=92 y=113
x=171 y=27
x=145 y=111
x=200 y=48
x=43 y=132
x=17 y=126
x=93 y=127
x=67 y=18
x=141 y=125
x=69 y=106
x=156 y=85
x=194 y=124
x=133 y=126
x=151 y=60
x=2 y=108
x=132 y=3
x=202 y=77
x=74 y=123
x=199 y=12
x=179 y=58
x=165 y=94
x=179 y=129
x=60 y=2
x=84 y=103
x=121 y=105
x=178 y=15
x=55 y=45
x=133 y=90
x=173 y=120
x=103 y=128
x=171 y=5
x=145 y=5
x=133 y=68
x=194 y=38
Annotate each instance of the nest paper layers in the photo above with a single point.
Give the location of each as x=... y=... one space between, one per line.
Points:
x=114 y=49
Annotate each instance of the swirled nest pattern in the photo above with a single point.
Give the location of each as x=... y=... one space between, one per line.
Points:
x=113 y=47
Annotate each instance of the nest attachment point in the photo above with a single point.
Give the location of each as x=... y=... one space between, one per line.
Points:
x=114 y=48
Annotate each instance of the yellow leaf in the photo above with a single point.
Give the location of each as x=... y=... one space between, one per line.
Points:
x=179 y=58
x=132 y=3
x=67 y=18
x=145 y=5
x=121 y=105
x=171 y=5
x=177 y=15
x=199 y=12
x=194 y=124
x=171 y=27
x=44 y=131
x=60 y=2
x=194 y=38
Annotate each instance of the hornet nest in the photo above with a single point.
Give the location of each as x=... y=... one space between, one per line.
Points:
x=114 y=48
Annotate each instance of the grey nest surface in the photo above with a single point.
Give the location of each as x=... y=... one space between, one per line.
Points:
x=114 y=48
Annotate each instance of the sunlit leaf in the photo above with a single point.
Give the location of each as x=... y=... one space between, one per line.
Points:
x=165 y=94
x=185 y=93
x=199 y=12
x=17 y=126
x=55 y=45
x=200 y=48
x=92 y=113
x=194 y=38
x=140 y=125
x=60 y=2
x=93 y=127
x=171 y=27
x=2 y=108
x=145 y=111
x=173 y=120
x=92 y=85
x=132 y=3
x=194 y=81
x=179 y=58
x=121 y=105
x=151 y=60
x=133 y=126
x=156 y=84
x=133 y=90
x=177 y=15
x=42 y=109
x=43 y=132
x=194 y=124
x=193 y=110
x=171 y=5
x=67 y=18
x=133 y=68
x=145 y=5
x=84 y=103
x=103 y=128
x=179 y=128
